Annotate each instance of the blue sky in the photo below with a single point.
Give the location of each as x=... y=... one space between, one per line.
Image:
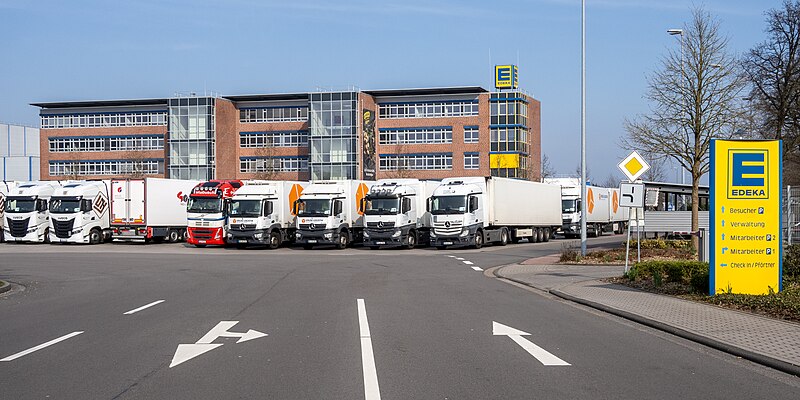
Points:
x=88 y=50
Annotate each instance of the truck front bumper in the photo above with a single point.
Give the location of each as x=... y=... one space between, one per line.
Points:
x=255 y=236
x=321 y=236
x=206 y=236
x=386 y=237
x=30 y=237
x=76 y=237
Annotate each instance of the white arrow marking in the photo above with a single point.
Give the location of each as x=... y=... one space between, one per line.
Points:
x=541 y=354
x=371 y=389
x=41 y=346
x=186 y=352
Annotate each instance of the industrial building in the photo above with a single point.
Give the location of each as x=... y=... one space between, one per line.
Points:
x=19 y=153
x=426 y=133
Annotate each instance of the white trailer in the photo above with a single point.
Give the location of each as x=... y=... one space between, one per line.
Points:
x=603 y=211
x=395 y=213
x=150 y=209
x=79 y=212
x=262 y=213
x=5 y=189
x=330 y=212
x=27 y=217
x=475 y=210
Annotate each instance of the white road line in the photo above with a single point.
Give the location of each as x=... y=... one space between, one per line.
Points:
x=477 y=268
x=41 y=346
x=452 y=256
x=371 y=389
x=459 y=259
x=143 y=307
x=467 y=262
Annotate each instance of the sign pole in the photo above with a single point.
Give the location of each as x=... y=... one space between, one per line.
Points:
x=638 y=236
x=628 y=243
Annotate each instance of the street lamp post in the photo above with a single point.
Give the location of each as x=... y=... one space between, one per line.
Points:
x=583 y=128
x=679 y=32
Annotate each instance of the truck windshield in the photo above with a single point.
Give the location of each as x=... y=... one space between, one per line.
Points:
x=65 y=205
x=204 y=205
x=314 y=208
x=568 y=206
x=383 y=206
x=448 y=204
x=20 y=205
x=245 y=208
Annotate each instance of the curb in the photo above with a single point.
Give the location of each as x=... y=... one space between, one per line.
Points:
x=6 y=287
x=782 y=366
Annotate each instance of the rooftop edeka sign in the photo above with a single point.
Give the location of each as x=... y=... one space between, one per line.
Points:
x=745 y=224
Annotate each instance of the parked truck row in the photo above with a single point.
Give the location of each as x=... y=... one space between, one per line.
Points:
x=467 y=211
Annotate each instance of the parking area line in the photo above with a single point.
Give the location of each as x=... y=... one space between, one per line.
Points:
x=142 y=307
x=41 y=346
x=477 y=268
x=371 y=389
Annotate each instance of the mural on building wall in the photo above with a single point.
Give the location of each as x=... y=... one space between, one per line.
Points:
x=368 y=145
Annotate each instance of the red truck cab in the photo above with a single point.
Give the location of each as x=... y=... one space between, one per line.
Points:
x=207 y=211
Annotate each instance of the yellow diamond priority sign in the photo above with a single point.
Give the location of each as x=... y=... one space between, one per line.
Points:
x=633 y=166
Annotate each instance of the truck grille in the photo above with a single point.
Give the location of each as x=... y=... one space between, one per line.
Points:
x=18 y=227
x=311 y=227
x=441 y=228
x=203 y=234
x=566 y=221
x=389 y=224
x=243 y=227
x=63 y=228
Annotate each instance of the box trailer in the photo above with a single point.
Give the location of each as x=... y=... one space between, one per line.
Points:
x=149 y=209
x=476 y=210
x=603 y=211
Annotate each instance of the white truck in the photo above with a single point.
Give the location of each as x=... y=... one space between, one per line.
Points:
x=262 y=213
x=150 y=209
x=329 y=212
x=395 y=213
x=603 y=211
x=5 y=189
x=79 y=212
x=472 y=211
x=27 y=217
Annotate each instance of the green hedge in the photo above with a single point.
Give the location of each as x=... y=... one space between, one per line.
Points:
x=693 y=273
x=791 y=263
x=663 y=244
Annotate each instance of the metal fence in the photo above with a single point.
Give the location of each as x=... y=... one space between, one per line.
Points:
x=791 y=215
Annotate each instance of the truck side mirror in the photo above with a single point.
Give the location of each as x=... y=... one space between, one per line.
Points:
x=337 y=207
x=428 y=204
x=294 y=207
x=41 y=205
x=473 y=204
x=86 y=205
x=362 y=205
x=406 y=207
x=267 y=208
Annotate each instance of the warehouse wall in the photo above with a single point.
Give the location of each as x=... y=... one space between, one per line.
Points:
x=19 y=153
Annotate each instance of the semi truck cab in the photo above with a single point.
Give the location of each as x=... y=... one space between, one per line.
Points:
x=329 y=212
x=261 y=213
x=26 y=213
x=395 y=213
x=458 y=211
x=79 y=213
x=207 y=211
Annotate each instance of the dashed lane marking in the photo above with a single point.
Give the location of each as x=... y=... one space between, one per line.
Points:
x=41 y=346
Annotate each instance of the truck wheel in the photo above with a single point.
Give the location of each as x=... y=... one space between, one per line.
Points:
x=411 y=241
x=274 y=240
x=341 y=241
x=185 y=235
x=539 y=235
x=47 y=235
x=94 y=236
x=173 y=236
x=546 y=235
x=503 y=237
x=478 y=239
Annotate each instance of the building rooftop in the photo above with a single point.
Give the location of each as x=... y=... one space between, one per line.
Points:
x=102 y=103
x=426 y=91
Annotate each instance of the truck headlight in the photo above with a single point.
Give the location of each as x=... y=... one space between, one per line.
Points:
x=396 y=234
x=258 y=235
x=464 y=232
x=432 y=235
x=328 y=235
x=366 y=235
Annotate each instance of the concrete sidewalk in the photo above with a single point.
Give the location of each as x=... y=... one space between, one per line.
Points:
x=764 y=340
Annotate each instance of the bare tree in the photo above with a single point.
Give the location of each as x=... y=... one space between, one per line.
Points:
x=269 y=164
x=137 y=160
x=402 y=170
x=692 y=102
x=657 y=171
x=588 y=173
x=547 y=168
x=611 y=181
x=773 y=70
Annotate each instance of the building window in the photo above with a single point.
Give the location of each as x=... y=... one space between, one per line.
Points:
x=273 y=139
x=471 y=134
x=106 y=167
x=152 y=118
x=432 y=161
x=509 y=138
x=472 y=161
x=106 y=143
x=460 y=108
x=277 y=164
x=429 y=135
x=274 y=114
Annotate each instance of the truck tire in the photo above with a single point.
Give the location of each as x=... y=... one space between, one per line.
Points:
x=173 y=236
x=503 y=236
x=341 y=241
x=546 y=235
x=478 y=239
x=274 y=240
x=95 y=237
x=411 y=240
x=47 y=235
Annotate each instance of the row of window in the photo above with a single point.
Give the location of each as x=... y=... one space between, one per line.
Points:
x=273 y=139
x=106 y=167
x=100 y=143
x=433 y=161
x=154 y=118
x=274 y=114
x=273 y=164
x=432 y=135
x=465 y=108
x=509 y=139
x=521 y=172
